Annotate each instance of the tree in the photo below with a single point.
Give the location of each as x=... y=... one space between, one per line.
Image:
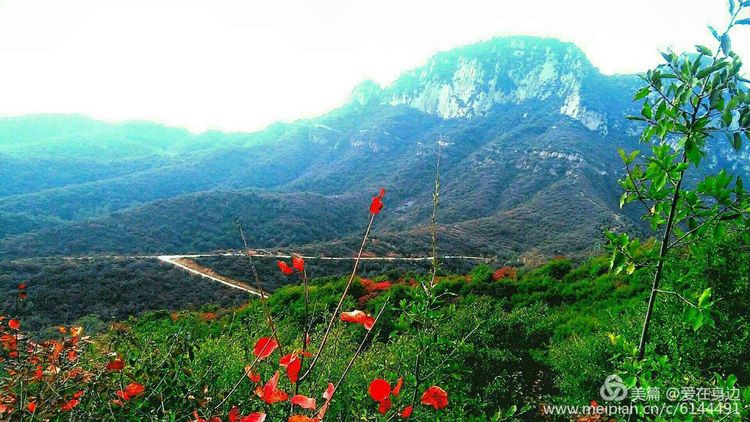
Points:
x=690 y=102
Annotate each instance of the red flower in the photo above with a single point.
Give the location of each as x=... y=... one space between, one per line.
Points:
x=293 y=364
x=397 y=388
x=22 y=286
x=298 y=263
x=14 y=324
x=358 y=317
x=379 y=389
x=116 y=365
x=270 y=392
x=285 y=268
x=406 y=412
x=303 y=401
x=31 y=407
x=264 y=347
x=435 y=397
x=377 y=203
x=302 y=418
x=131 y=390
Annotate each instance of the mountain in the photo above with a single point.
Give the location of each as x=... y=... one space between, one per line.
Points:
x=530 y=130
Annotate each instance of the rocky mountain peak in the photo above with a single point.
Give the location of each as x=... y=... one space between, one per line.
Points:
x=468 y=81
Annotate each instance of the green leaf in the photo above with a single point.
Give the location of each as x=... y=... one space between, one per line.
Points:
x=704 y=297
x=737 y=141
x=704 y=50
x=726 y=44
x=714 y=33
x=642 y=93
x=711 y=69
x=646 y=111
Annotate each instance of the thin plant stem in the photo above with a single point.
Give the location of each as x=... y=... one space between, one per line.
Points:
x=263 y=296
x=360 y=348
x=341 y=301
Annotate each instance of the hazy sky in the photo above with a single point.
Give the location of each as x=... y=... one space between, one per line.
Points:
x=239 y=65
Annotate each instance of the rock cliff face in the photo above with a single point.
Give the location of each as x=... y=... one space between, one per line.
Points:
x=468 y=82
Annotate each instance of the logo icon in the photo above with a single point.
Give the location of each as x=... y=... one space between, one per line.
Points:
x=613 y=389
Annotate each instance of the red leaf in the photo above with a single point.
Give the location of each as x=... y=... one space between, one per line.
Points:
x=302 y=418
x=131 y=390
x=254 y=377
x=234 y=414
x=31 y=407
x=254 y=417
x=14 y=324
x=22 y=286
x=285 y=268
x=379 y=389
x=293 y=364
x=327 y=395
x=377 y=203
x=69 y=405
x=264 y=347
x=406 y=412
x=329 y=392
x=358 y=317
x=270 y=393
x=435 y=397
x=385 y=405
x=304 y=401
x=397 y=388
x=116 y=365
x=298 y=263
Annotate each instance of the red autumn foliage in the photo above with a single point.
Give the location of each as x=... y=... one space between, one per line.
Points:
x=270 y=392
x=293 y=364
x=298 y=263
x=69 y=405
x=379 y=389
x=285 y=268
x=131 y=391
x=505 y=272
x=208 y=316
x=377 y=202
x=264 y=347
x=435 y=397
x=116 y=365
x=358 y=317
x=385 y=406
x=303 y=401
x=235 y=416
x=397 y=389
x=253 y=376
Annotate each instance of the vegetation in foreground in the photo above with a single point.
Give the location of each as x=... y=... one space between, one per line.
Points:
x=502 y=344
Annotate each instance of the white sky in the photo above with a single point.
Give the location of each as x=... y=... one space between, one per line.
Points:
x=242 y=64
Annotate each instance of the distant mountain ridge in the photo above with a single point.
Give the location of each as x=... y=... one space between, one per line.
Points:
x=530 y=164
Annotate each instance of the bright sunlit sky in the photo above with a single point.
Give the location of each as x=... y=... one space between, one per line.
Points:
x=240 y=65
